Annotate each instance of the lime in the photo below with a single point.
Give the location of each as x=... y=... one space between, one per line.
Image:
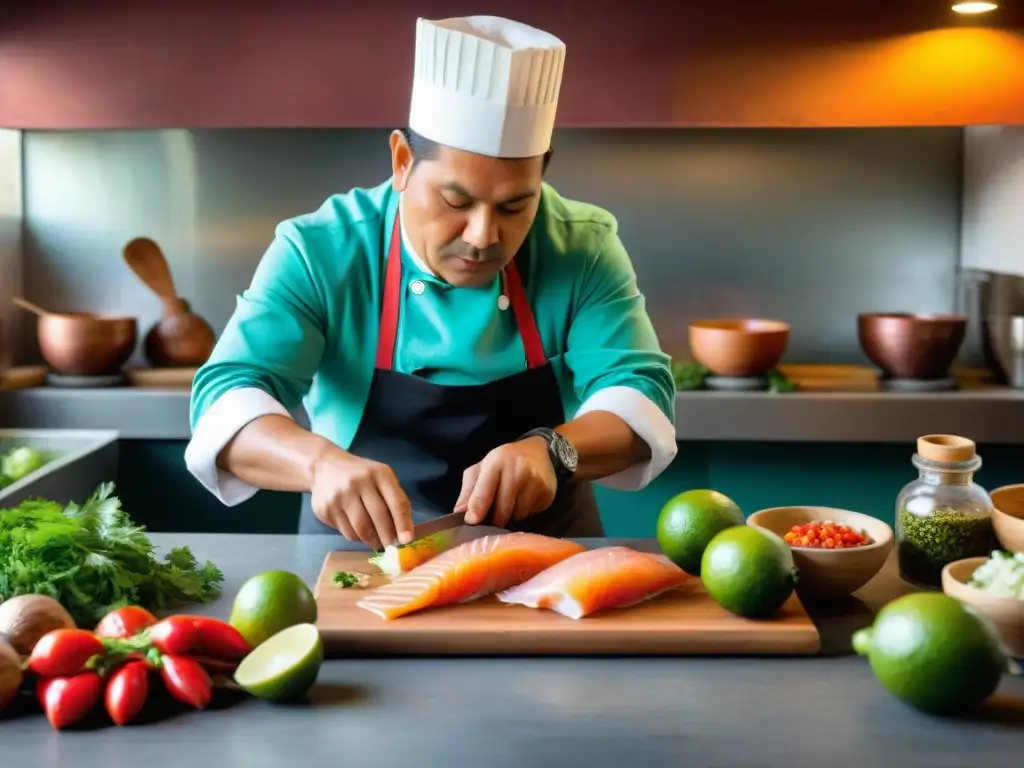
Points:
x=284 y=666
x=269 y=602
x=748 y=571
x=934 y=653
x=690 y=520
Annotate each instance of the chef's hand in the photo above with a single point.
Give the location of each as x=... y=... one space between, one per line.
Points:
x=362 y=499
x=513 y=481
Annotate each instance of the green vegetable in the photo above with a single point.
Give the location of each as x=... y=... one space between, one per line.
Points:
x=1002 y=574
x=21 y=461
x=94 y=558
x=693 y=376
x=346 y=580
x=689 y=376
x=928 y=544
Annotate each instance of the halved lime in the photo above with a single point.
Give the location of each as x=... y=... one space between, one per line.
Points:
x=284 y=666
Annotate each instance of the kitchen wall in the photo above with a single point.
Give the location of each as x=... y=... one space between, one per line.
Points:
x=812 y=226
x=10 y=235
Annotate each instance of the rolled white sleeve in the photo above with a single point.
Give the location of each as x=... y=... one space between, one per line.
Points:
x=648 y=421
x=221 y=422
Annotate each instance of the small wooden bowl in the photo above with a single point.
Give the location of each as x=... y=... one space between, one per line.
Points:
x=830 y=572
x=1006 y=613
x=1008 y=516
x=738 y=346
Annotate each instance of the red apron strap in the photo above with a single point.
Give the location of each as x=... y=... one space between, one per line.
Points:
x=392 y=299
x=535 y=356
x=388 y=333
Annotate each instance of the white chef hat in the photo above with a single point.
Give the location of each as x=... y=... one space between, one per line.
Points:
x=486 y=84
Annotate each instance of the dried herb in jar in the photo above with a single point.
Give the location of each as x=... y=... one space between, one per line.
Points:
x=929 y=543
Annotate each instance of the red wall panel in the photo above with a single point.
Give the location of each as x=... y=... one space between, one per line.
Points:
x=109 y=64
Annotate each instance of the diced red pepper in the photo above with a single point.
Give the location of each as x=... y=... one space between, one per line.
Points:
x=825 y=536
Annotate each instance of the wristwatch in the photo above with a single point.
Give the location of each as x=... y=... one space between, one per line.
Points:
x=561 y=452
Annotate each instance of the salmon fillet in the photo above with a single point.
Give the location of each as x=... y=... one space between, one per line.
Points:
x=469 y=571
x=598 y=579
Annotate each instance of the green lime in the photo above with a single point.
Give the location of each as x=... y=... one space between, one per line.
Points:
x=690 y=520
x=748 y=571
x=269 y=602
x=933 y=652
x=285 y=666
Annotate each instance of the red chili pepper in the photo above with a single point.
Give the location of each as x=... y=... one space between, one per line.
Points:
x=175 y=634
x=127 y=690
x=124 y=622
x=64 y=652
x=202 y=635
x=66 y=700
x=186 y=680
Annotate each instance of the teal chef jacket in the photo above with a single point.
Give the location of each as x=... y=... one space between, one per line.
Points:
x=305 y=331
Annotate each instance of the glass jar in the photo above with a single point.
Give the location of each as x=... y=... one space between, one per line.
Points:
x=943 y=515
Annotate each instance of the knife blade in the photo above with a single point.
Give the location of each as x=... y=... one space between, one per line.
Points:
x=438 y=524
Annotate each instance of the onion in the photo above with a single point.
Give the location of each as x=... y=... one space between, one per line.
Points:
x=26 y=618
x=10 y=674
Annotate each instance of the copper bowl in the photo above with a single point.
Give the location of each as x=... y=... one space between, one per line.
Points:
x=909 y=346
x=738 y=346
x=82 y=344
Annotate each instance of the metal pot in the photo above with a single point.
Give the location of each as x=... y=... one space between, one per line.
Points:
x=83 y=344
x=1003 y=344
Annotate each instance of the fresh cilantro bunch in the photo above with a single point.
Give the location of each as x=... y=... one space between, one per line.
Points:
x=93 y=558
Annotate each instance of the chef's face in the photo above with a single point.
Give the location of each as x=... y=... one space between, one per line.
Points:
x=466 y=214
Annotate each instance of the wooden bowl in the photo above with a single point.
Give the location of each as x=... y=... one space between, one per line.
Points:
x=1006 y=613
x=908 y=346
x=1008 y=516
x=77 y=343
x=830 y=572
x=738 y=346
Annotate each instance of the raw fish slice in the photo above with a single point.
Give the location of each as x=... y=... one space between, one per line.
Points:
x=598 y=579
x=397 y=559
x=469 y=571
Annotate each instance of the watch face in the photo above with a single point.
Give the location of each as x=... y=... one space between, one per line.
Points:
x=566 y=453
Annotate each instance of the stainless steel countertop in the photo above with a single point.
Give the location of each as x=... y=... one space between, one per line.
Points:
x=988 y=415
x=510 y=713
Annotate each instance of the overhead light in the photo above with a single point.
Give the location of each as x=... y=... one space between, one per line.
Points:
x=974 y=8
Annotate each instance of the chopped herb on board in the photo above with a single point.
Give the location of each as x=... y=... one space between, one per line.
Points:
x=348 y=580
x=930 y=543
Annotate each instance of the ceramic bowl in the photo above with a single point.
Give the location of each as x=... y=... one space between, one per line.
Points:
x=907 y=346
x=830 y=572
x=738 y=346
x=1008 y=516
x=1006 y=613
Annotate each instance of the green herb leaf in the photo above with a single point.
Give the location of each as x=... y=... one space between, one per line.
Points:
x=93 y=558
x=347 y=580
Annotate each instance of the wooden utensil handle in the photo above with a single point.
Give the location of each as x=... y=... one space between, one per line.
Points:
x=147 y=261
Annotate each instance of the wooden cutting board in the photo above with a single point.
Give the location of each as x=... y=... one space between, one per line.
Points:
x=681 y=623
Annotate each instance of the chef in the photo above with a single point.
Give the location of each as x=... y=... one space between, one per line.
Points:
x=462 y=337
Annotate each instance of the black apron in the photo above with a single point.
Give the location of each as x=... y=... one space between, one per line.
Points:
x=429 y=434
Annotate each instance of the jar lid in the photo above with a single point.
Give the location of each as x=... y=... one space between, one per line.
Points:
x=945 y=448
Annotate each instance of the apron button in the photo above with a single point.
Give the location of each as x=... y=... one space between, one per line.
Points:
x=417 y=287
x=503 y=302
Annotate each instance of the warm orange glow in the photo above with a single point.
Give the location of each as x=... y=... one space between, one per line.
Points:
x=957 y=77
x=969 y=8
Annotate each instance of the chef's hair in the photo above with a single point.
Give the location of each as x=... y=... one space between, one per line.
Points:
x=427 y=149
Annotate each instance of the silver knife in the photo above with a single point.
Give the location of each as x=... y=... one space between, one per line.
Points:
x=454 y=520
x=438 y=524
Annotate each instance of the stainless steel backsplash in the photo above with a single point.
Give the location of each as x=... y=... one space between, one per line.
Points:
x=812 y=226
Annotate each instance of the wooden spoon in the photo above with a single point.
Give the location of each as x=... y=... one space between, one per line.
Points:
x=147 y=261
x=180 y=337
x=34 y=308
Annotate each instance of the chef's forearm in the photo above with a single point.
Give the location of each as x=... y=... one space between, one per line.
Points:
x=605 y=443
x=274 y=453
